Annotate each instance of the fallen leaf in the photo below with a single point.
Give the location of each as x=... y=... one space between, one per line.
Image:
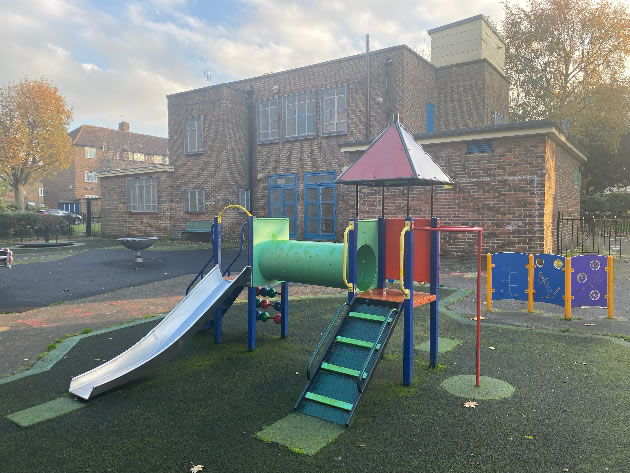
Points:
x=475 y=318
x=470 y=404
x=196 y=468
x=530 y=437
x=492 y=348
x=587 y=325
x=361 y=445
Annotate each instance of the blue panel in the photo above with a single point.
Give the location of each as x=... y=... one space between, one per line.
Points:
x=509 y=276
x=282 y=190
x=317 y=225
x=549 y=279
x=589 y=281
x=430 y=117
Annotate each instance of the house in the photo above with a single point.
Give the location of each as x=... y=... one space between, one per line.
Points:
x=276 y=143
x=95 y=149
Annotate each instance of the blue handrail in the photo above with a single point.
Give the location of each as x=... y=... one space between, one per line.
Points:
x=227 y=271
x=200 y=273
x=325 y=336
x=361 y=382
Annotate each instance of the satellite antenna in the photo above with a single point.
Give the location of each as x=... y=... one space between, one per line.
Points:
x=208 y=76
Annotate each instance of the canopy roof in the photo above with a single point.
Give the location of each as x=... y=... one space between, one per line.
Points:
x=394 y=159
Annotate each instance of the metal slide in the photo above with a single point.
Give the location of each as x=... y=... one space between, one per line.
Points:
x=184 y=320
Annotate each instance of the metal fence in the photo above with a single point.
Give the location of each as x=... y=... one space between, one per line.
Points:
x=591 y=234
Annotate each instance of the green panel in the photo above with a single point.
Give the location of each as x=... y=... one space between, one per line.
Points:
x=329 y=400
x=341 y=369
x=46 y=411
x=367 y=244
x=307 y=262
x=266 y=229
x=375 y=318
x=358 y=343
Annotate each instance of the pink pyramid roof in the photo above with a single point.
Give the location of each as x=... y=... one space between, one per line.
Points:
x=394 y=159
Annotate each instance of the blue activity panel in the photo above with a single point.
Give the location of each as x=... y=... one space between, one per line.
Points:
x=549 y=279
x=589 y=281
x=509 y=276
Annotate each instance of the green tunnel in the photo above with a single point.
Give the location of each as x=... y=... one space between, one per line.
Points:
x=314 y=262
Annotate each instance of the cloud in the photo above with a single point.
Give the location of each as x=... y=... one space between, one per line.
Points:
x=116 y=60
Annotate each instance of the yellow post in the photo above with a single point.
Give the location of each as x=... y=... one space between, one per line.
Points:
x=610 y=290
x=345 y=256
x=406 y=228
x=530 y=283
x=489 y=289
x=567 y=289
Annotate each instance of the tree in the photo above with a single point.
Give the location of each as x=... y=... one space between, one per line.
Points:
x=34 y=141
x=566 y=60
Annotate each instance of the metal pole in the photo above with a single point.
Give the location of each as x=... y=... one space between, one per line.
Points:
x=408 y=192
x=431 y=201
x=383 y=201
x=356 y=201
x=478 y=352
x=367 y=97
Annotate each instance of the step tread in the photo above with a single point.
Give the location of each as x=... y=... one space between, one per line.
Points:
x=329 y=401
x=371 y=317
x=341 y=369
x=358 y=343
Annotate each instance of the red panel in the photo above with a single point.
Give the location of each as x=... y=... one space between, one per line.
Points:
x=421 y=249
x=385 y=159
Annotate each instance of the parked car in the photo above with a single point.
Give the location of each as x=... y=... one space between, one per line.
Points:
x=6 y=258
x=67 y=216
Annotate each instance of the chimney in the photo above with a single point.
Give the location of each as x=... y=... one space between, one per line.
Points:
x=123 y=126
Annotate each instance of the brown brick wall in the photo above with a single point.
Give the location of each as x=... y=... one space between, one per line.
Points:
x=420 y=87
x=117 y=221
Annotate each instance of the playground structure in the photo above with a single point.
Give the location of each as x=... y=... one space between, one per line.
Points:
x=373 y=251
x=585 y=280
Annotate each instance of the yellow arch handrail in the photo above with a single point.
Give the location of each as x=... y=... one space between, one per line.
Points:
x=406 y=228
x=345 y=256
x=232 y=206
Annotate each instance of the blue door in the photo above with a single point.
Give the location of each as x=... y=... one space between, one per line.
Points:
x=72 y=207
x=283 y=199
x=320 y=205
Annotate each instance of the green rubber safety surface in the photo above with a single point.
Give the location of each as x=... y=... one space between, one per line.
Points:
x=301 y=433
x=489 y=388
x=46 y=411
x=444 y=345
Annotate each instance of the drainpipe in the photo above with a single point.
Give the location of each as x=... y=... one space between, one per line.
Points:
x=388 y=99
x=251 y=151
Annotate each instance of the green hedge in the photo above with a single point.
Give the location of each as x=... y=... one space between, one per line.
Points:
x=12 y=223
x=612 y=205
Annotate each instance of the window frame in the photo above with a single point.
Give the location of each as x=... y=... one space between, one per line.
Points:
x=90 y=176
x=270 y=116
x=199 y=209
x=244 y=198
x=323 y=121
x=152 y=183
x=282 y=188
x=479 y=147
x=41 y=192
x=89 y=152
x=197 y=120
x=430 y=117
x=319 y=186
x=285 y=109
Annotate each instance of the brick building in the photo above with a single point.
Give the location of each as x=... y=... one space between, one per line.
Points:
x=95 y=149
x=275 y=143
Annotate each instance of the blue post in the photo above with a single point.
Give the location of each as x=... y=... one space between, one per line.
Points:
x=352 y=258
x=284 y=311
x=216 y=242
x=408 y=309
x=218 y=325
x=435 y=284
x=251 y=290
x=380 y=281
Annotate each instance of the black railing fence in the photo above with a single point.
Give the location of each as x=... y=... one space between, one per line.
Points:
x=592 y=234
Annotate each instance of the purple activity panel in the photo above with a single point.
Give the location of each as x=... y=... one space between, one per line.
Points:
x=549 y=279
x=589 y=281
x=509 y=276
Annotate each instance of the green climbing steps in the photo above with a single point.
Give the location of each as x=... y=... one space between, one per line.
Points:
x=353 y=350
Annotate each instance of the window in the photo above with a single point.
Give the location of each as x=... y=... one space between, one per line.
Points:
x=576 y=179
x=299 y=113
x=283 y=199
x=90 y=176
x=138 y=157
x=90 y=152
x=479 y=147
x=320 y=205
x=334 y=110
x=243 y=198
x=430 y=117
x=41 y=192
x=158 y=159
x=142 y=194
x=193 y=135
x=498 y=119
x=195 y=201
x=267 y=116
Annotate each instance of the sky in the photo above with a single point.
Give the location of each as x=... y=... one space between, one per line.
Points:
x=118 y=60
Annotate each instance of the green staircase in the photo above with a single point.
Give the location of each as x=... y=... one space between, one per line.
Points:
x=336 y=384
